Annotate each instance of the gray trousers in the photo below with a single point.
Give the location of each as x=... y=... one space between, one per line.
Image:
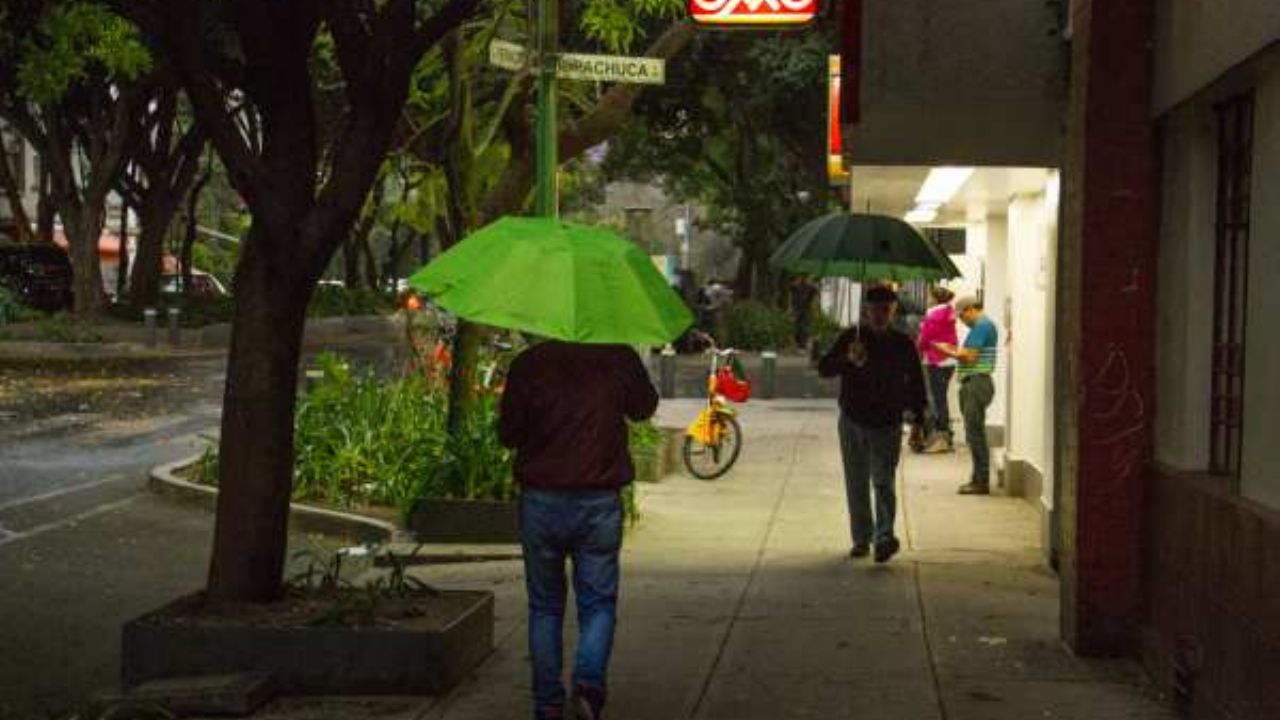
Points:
x=871 y=457
x=976 y=394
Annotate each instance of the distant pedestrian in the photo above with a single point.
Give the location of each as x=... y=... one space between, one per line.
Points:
x=977 y=359
x=939 y=328
x=881 y=380
x=804 y=296
x=564 y=412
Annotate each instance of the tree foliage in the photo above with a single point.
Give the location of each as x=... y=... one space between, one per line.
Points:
x=739 y=130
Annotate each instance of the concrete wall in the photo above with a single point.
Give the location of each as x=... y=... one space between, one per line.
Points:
x=963 y=82
x=1199 y=40
x=1260 y=476
x=1184 y=326
x=1030 y=338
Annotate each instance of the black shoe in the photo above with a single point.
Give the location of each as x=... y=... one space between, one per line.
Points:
x=974 y=488
x=860 y=550
x=886 y=550
x=586 y=704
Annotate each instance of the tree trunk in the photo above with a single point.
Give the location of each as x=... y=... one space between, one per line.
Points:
x=256 y=450
x=84 y=230
x=187 y=256
x=156 y=214
x=463 y=374
x=122 y=265
x=45 y=211
x=21 y=221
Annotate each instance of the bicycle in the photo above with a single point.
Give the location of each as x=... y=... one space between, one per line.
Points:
x=713 y=442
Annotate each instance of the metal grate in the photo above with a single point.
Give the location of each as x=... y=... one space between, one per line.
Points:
x=1231 y=282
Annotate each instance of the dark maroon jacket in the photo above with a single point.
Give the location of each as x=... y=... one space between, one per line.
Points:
x=564 y=412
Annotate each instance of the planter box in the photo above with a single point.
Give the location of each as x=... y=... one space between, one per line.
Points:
x=474 y=522
x=404 y=659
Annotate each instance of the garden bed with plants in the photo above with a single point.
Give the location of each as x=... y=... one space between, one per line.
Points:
x=391 y=635
x=381 y=447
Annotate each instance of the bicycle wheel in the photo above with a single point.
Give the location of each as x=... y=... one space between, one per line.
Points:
x=708 y=462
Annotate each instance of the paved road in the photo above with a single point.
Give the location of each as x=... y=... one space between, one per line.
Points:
x=83 y=546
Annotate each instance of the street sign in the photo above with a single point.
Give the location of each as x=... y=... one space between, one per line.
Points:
x=746 y=13
x=595 y=68
x=612 y=68
x=508 y=55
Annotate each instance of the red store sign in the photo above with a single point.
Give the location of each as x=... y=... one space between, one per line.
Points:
x=739 y=13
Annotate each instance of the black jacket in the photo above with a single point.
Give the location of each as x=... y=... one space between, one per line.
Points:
x=564 y=412
x=888 y=385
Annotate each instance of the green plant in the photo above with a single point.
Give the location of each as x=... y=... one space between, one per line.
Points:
x=825 y=330
x=62 y=328
x=12 y=310
x=337 y=301
x=752 y=325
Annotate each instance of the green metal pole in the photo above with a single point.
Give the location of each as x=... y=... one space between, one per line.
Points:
x=548 y=192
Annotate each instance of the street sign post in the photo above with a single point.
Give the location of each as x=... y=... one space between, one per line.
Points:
x=612 y=68
x=592 y=68
x=552 y=66
x=508 y=55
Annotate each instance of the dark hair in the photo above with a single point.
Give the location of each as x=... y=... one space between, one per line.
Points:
x=941 y=294
x=881 y=294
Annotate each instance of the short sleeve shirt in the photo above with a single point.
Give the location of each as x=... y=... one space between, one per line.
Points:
x=985 y=338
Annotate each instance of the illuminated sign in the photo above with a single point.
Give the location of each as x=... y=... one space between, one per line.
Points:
x=836 y=169
x=739 y=13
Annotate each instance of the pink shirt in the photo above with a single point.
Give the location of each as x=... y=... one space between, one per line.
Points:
x=939 y=326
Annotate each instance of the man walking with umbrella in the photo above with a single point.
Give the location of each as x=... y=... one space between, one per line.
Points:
x=879 y=369
x=564 y=411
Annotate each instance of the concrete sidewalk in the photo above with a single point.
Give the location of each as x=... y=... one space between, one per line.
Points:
x=739 y=602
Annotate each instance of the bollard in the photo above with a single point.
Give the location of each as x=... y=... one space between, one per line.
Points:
x=768 y=375
x=667 y=373
x=149 y=321
x=175 y=332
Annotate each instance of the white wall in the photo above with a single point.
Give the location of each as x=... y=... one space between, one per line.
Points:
x=996 y=300
x=1032 y=233
x=1260 y=476
x=1196 y=41
x=1184 y=294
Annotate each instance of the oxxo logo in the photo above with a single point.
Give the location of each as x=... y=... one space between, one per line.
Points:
x=753 y=12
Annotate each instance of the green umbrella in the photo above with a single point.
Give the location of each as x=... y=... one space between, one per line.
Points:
x=559 y=280
x=863 y=247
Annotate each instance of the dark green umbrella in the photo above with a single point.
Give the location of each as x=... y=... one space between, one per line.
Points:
x=863 y=248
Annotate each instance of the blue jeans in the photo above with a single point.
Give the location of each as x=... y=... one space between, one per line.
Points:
x=939 y=385
x=585 y=526
x=871 y=457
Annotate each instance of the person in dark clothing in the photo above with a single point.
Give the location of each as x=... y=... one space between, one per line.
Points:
x=565 y=412
x=804 y=295
x=879 y=368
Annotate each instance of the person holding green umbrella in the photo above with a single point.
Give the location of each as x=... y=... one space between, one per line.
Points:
x=565 y=409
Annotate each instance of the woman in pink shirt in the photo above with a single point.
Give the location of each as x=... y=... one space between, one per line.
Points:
x=939 y=327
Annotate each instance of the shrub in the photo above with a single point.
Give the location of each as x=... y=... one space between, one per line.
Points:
x=12 y=310
x=825 y=330
x=337 y=301
x=62 y=328
x=360 y=440
x=752 y=325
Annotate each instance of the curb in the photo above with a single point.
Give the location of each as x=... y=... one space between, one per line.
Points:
x=360 y=529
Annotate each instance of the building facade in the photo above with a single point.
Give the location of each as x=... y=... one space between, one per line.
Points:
x=1143 y=400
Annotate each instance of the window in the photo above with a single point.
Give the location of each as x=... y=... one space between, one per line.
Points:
x=1235 y=171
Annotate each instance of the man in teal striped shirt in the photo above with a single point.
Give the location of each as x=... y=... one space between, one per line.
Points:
x=977 y=357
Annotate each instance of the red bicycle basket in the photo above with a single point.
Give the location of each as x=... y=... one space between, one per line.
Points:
x=729 y=385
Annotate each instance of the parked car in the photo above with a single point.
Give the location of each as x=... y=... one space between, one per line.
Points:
x=203 y=285
x=39 y=275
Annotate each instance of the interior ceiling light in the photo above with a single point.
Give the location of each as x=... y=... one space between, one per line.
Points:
x=921 y=215
x=942 y=185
